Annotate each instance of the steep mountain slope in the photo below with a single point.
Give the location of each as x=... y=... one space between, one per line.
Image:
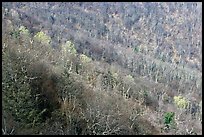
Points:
x=102 y=68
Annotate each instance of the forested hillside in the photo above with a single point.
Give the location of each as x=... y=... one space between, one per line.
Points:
x=102 y=68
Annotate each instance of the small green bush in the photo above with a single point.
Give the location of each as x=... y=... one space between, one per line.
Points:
x=15 y=34
x=168 y=118
x=145 y=93
x=42 y=37
x=69 y=47
x=23 y=30
x=180 y=101
x=85 y=59
x=136 y=49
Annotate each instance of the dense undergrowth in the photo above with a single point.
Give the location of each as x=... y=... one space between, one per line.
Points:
x=74 y=89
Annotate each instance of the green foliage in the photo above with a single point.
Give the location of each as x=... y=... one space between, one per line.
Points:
x=104 y=113
x=145 y=93
x=168 y=118
x=24 y=36
x=15 y=34
x=136 y=49
x=23 y=30
x=69 y=47
x=17 y=97
x=85 y=59
x=180 y=101
x=42 y=37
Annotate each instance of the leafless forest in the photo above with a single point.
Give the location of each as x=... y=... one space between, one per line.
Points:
x=102 y=68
